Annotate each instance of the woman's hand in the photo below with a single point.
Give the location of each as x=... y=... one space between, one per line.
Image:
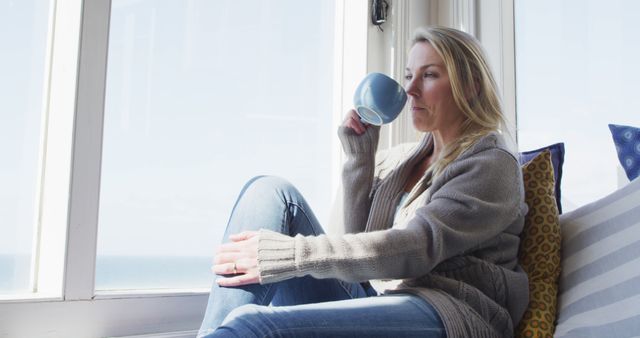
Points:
x=353 y=121
x=238 y=258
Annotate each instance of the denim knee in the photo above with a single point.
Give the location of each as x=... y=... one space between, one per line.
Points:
x=266 y=185
x=247 y=320
x=243 y=312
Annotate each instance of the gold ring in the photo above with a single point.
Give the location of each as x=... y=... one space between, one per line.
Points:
x=235 y=271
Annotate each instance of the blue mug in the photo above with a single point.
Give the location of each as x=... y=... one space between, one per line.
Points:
x=379 y=99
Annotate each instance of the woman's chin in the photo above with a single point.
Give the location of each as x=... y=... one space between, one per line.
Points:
x=419 y=125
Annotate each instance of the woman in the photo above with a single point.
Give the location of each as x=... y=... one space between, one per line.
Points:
x=437 y=227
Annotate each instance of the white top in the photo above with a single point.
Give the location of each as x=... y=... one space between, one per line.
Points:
x=403 y=200
x=390 y=284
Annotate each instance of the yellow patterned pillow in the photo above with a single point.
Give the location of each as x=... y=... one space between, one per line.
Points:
x=540 y=248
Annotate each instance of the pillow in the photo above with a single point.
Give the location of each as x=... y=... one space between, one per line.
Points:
x=600 y=280
x=627 y=141
x=557 y=159
x=539 y=253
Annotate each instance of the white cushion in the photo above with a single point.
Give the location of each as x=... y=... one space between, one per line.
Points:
x=599 y=292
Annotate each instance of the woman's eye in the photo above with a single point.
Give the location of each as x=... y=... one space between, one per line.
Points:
x=407 y=77
x=429 y=75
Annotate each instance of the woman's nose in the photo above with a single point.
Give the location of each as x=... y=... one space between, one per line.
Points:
x=411 y=89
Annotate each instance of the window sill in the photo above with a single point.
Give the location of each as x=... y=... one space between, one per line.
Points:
x=122 y=294
x=107 y=315
x=29 y=298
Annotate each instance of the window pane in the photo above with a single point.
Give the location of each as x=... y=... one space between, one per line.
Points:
x=577 y=71
x=23 y=37
x=202 y=96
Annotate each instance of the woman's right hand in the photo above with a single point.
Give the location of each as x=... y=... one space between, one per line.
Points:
x=353 y=121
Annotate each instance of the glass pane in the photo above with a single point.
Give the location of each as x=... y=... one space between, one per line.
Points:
x=23 y=37
x=577 y=71
x=201 y=97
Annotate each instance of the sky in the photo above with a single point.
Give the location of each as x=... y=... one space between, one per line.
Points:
x=203 y=95
x=23 y=32
x=576 y=72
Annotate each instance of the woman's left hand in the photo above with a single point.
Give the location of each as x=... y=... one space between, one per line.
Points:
x=238 y=258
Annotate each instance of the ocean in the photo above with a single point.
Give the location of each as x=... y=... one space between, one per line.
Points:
x=121 y=273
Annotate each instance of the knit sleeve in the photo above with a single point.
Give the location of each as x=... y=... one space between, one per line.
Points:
x=481 y=198
x=357 y=175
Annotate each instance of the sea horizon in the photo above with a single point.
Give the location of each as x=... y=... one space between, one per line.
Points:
x=121 y=272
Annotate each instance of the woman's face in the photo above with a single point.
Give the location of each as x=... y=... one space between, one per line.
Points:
x=430 y=97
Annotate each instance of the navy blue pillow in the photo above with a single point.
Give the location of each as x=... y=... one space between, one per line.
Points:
x=627 y=141
x=557 y=159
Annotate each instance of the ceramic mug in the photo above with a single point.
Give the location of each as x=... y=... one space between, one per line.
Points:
x=379 y=99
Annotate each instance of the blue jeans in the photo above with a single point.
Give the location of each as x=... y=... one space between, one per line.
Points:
x=305 y=307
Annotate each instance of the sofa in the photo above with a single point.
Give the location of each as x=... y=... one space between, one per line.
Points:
x=583 y=265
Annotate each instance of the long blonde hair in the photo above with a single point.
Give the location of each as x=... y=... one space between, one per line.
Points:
x=469 y=73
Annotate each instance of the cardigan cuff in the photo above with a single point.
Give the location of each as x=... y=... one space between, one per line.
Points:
x=276 y=257
x=353 y=143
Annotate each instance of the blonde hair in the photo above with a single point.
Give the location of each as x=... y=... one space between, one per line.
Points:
x=472 y=84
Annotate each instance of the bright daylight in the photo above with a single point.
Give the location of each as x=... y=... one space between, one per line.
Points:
x=320 y=168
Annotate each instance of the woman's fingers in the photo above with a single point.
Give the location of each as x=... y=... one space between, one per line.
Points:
x=229 y=247
x=238 y=258
x=357 y=126
x=242 y=236
x=242 y=272
x=239 y=242
x=239 y=266
x=228 y=257
x=225 y=269
x=239 y=280
x=353 y=122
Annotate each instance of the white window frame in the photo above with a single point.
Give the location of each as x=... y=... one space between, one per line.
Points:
x=64 y=302
x=496 y=31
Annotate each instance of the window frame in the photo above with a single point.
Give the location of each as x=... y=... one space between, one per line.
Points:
x=69 y=188
x=63 y=276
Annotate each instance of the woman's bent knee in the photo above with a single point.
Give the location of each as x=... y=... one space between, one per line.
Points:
x=266 y=184
x=266 y=187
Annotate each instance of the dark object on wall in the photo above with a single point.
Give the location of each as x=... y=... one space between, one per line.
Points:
x=379 y=10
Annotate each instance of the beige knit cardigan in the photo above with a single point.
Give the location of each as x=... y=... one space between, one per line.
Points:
x=457 y=244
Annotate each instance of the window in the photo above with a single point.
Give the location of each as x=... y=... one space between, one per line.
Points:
x=201 y=96
x=23 y=36
x=135 y=148
x=577 y=71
